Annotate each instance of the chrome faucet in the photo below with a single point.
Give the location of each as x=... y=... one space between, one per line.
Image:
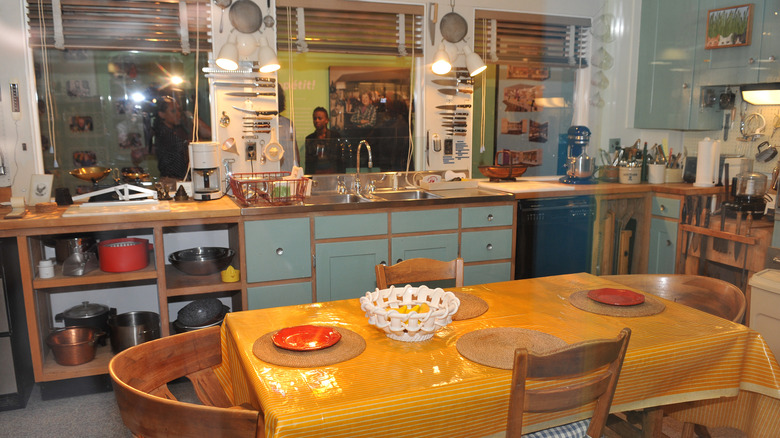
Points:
x=370 y=163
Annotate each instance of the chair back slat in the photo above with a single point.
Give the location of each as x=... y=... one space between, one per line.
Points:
x=582 y=374
x=140 y=375
x=419 y=270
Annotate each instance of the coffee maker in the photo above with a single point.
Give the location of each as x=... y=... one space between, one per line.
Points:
x=579 y=166
x=206 y=179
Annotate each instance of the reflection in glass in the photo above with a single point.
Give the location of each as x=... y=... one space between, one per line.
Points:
x=103 y=108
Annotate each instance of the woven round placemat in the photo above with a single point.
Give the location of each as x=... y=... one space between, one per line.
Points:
x=349 y=346
x=495 y=347
x=651 y=306
x=471 y=306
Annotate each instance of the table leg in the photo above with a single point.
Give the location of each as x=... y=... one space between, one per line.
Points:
x=652 y=422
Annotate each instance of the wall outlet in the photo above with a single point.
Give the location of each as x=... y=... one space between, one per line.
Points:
x=614 y=144
x=251 y=151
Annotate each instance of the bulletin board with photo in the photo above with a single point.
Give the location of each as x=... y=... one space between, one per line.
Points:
x=533 y=107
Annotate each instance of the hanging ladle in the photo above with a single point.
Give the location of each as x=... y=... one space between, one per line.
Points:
x=223 y=4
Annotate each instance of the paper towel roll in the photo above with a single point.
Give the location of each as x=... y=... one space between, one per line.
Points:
x=707 y=163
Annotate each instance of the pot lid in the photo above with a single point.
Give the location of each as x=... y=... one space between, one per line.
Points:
x=85 y=310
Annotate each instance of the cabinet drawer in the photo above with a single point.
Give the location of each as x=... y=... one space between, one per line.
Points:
x=493 y=216
x=490 y=273
x=277 y=249
x=279 y=295
x=424 y=220
x=442 y=247
x=666 y=207
x=486 y=245
x=350 y=225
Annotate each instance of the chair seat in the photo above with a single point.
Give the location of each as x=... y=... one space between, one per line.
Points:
x=578 y=429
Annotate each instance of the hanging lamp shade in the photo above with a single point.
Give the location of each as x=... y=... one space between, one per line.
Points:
x=441 y=61
x=228 y=54
x=474 y=63
x=267 y=57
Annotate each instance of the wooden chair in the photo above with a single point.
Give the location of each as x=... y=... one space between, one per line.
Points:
x=716 y=297
x=711 y=295
x=140 y=375
x=599 y=360
x=419 y=270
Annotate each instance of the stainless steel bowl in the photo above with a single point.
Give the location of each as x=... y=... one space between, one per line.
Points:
x=203 y=260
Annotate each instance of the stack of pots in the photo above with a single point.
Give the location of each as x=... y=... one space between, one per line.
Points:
x=87 y=314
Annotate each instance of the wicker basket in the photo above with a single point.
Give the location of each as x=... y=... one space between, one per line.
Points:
x=383 y=308
x=273 y=188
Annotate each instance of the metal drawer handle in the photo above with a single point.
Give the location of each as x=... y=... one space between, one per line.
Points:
x=490 y=218
x=279 y=251
x=668 y=243
x=383 y=263
x=489 y=246
x=663 y=207
x=399 y=260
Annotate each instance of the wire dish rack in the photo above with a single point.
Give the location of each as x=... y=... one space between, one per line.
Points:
x=272 y=188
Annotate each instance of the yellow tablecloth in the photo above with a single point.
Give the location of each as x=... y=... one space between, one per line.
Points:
x=428 y=389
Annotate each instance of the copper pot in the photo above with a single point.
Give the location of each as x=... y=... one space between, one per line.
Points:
x=73 y=345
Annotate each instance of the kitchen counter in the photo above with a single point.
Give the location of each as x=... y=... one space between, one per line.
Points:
x=225 y=207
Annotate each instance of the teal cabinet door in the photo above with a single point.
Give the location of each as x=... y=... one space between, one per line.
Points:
x=730 y=65
x=346 y=269
x=442 y=247
x=663 y=246
x=277 y=249
x=279 y=295
x=665 y=70
x=770 y=46
x=489 y=273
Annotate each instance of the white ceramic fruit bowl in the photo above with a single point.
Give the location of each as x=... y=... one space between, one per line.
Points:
x=409 y=313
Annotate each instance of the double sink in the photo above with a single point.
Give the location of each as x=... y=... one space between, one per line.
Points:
x=377 y=196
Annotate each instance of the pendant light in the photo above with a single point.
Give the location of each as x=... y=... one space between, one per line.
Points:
x=228 y=54
x=474 y=62
x=441 y=61
x=267 y=57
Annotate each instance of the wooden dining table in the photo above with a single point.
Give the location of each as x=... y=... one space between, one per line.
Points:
x=698 y=367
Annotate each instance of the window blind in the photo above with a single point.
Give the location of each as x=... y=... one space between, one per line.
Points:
x=150 y=25
x=350 y=27
x=516 y=38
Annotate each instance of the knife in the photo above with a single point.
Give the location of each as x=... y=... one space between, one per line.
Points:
x=257 y=113
x=454 y=91
x=738 y=245
x=243 y=84
x=703 y=244
x=434 y=13
x=452 y=82
x=454 y=124
x=249 y=94
x=453 y=107
x=695 y=221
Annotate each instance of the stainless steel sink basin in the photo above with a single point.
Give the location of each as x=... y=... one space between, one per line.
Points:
x=335 y=198
x=402 y=195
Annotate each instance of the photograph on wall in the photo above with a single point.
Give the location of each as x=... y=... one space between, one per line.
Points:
x=522 y=72
x=523 y=98
x=729 y=27
x=78 y=88
x=81 y=124
x=537 y=132
x=514 y=128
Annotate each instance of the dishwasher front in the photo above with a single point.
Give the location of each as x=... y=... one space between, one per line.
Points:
x=554 y=236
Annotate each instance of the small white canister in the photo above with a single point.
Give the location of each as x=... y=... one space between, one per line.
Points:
x=656 y=173
x=630 y=175
x=46 y=268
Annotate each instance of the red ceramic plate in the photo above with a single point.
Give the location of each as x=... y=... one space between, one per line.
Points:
x=306 y=337
x=616 y=297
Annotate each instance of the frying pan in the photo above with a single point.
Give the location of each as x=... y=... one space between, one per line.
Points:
x=453 y=27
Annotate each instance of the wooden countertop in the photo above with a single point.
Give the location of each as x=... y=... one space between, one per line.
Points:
x=225 y=208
